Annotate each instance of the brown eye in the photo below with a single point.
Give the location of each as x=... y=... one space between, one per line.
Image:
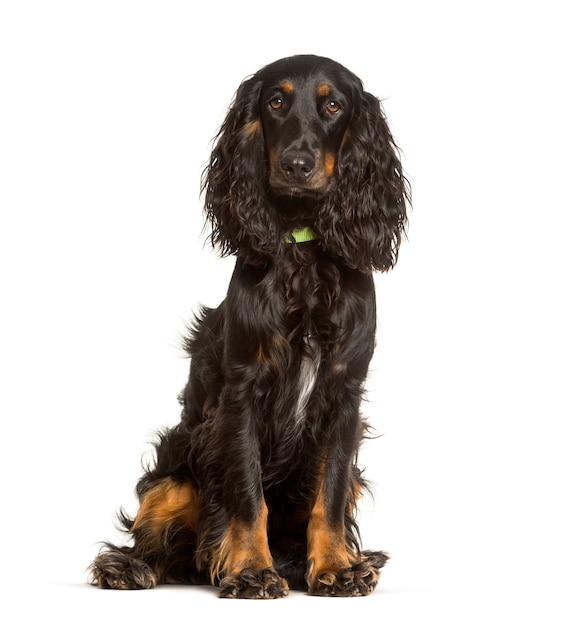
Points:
x=333 y=107
x=276 y=103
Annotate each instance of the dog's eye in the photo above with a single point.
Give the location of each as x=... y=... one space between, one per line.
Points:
x=276 y=103
x=333 y=107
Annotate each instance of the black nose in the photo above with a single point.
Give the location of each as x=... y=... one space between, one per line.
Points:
x=297 y=165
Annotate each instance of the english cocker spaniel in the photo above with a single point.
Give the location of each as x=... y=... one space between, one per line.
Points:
x=256 y=488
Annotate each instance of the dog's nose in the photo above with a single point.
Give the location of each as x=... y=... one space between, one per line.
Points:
x=297 y=165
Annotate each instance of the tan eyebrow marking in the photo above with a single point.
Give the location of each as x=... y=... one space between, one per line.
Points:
x=323 y=89
x=287 y=86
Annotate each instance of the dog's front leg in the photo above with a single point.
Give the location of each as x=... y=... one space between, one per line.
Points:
x=336 y=566
x=233 y=524
x=246 y=560
x=234 y=508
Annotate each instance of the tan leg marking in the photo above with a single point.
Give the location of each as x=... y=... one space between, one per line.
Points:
x=166 y=503
x=243 y=546
x=326 y=544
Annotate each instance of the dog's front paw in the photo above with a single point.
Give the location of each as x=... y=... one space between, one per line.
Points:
x=250 y=583
x=358 y=580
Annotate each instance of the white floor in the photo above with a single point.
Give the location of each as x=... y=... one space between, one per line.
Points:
x=491 y=592
x=391 y=604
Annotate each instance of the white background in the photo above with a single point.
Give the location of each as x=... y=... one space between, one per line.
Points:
x=107 y=112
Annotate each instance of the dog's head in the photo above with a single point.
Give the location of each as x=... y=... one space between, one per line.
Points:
x=304 y=145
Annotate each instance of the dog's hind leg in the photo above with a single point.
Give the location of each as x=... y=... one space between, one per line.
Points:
x=164 y=533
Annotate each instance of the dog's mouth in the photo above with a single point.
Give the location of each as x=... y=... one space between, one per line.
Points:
x=312 y=187
x=297 y=210
x=297 y=192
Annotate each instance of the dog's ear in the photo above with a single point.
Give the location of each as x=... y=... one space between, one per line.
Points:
x=365 y=217
x=234 y=182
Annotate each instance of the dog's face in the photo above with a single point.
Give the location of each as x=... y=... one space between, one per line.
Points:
x=304 y=145
x=305 y=110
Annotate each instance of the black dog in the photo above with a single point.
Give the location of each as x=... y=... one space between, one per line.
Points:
x=256 y=488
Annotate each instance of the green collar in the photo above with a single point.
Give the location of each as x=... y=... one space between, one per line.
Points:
x=302 y=235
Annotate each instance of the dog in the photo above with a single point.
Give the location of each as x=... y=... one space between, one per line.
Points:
x=255 y=490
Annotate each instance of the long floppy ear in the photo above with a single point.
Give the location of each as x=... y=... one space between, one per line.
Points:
x=234 y=181
x=365 y=218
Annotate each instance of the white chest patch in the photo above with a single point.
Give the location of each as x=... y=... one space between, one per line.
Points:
x=308 y=372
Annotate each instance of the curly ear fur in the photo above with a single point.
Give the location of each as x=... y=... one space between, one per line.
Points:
x=235 y=181
x=365 y=217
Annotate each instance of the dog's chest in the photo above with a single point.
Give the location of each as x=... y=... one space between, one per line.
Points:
x=307 y=378
x=307 y=314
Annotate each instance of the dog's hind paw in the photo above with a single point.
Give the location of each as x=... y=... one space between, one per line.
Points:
x=113 y=569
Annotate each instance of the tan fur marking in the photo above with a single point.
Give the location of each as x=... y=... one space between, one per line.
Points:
x=252 y=128
x=287 y=86
x=330 y=162
x=323 y=89
x=168 y=502
x=326 y=544
x=271 y=155
x=356 y=495
x=274 y=354
x=243 y=546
